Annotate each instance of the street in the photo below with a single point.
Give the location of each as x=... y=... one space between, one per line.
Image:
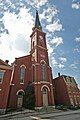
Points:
x=68 y=115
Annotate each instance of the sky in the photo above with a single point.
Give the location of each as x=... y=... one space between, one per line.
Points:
x=60 y=19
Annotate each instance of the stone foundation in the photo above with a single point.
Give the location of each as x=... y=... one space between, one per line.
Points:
x=38 y=108
x=45 y=108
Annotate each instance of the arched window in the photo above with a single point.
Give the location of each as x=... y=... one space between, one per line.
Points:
x=33 y=73
x=43 y=71
x=22 y=74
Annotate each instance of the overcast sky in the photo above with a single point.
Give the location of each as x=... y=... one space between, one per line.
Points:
x=60 y=19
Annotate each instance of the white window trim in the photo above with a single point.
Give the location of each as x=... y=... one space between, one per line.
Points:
x=42 y=61
x=45 y=86
x=21 y=90
x=23 y=66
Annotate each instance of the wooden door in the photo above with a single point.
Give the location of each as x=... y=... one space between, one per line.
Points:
x=45 y=97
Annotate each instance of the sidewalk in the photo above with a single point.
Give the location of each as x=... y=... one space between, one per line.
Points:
x=17 y=113
x=59 y=114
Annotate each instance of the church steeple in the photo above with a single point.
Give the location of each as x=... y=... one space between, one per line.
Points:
x=37 y=22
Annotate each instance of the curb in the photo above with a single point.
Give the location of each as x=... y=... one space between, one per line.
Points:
x=60 y=114
x=15 y=113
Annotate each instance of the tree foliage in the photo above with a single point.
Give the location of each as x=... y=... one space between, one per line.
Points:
x=29 y=98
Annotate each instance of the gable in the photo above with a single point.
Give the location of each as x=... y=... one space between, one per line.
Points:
x=26 y=60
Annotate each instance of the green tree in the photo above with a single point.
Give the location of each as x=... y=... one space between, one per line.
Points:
x=29 y=98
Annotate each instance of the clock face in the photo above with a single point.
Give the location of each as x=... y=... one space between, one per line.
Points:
x=41 y=38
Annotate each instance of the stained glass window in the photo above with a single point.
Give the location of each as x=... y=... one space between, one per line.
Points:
x=22 y=74
x=43 y=71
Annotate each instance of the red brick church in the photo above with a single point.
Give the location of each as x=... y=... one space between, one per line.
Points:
x=32 y=68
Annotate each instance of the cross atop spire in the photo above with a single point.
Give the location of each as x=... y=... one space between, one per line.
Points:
x=37 y=22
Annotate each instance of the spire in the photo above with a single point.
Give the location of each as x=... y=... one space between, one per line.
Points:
x=37 y=22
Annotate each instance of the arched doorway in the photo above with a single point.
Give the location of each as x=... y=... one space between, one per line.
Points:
x=20 y=99
x=45 y=96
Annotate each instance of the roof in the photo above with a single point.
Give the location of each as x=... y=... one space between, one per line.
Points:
x=23 y=57
x=3 y=63
x=37 y=22
x=68 y=79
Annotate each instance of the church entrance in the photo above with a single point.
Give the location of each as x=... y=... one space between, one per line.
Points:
x=45 y=97
x=20 y=99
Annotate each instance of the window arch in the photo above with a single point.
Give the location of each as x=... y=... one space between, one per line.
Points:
x=43 y=71
x=22 y=74
x=45 y=86
x=20 y=91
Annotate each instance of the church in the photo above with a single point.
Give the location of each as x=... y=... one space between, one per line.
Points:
x=33 y=68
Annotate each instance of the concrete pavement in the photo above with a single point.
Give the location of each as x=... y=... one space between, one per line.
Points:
x=42 y=115
x=59 y=114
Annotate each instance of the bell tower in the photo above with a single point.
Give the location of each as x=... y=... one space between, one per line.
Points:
x=38 y=42
x=41 y=71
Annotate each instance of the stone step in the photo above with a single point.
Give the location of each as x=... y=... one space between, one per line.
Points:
x=46 y=109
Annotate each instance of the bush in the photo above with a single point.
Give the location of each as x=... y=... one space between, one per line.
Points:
x=29 y=98
x=71 y=107
x=61 y=107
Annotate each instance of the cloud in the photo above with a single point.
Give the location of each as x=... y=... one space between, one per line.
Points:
x=41 y=2
x=9 y=54
x=6 y=39
x=76 y=50
x=56 y=63
x=55 y=26
x=49 y=13
x=60 y=65
x=57 y=41
x=18 y=39
x=50 y=49
x=73 y=66
x=21 y=43
x=37 y=3
x=77 y=39
x=62 y=59
x=18 y=23
x=0 y=42
x=76 y=5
